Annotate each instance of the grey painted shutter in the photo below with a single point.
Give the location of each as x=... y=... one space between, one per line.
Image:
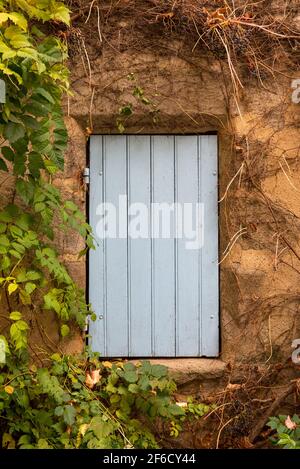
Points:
x=152 y=296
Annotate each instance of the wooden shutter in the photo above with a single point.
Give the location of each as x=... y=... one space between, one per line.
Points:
x=153 y=297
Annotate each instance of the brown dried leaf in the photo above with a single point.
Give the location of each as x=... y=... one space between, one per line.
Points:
x=233 y=387
x=92 y=378
x=289 y=423
x=88 y=381
x=216 y=17
x=95 y=375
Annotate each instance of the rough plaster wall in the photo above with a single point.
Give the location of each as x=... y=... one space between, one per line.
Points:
x=266 y=271
x=259 y=293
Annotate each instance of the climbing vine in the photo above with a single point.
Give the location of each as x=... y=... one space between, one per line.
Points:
x=79 y=402
x=33 y=142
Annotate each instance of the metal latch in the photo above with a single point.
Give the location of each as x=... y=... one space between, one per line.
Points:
x=86 y=175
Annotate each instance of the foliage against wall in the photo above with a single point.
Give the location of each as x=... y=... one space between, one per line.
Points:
x=34 y=139
x=76 y=401
x=230 y=34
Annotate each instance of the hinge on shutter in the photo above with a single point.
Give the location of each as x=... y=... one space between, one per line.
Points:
x=86 y=175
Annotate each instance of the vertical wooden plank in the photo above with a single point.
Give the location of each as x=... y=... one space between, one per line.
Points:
x=139 y=261
x=163 y=277
x=210 y=269
x=96 y=257
x=116 y=314
x=187 y=260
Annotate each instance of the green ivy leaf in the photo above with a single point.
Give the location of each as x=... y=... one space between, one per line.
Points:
x=176 y=410
x=30 y=122
x=69 y=414
x=22 y=325
x=58 y=411
x=12 y=287
x=16 y=18
x=7 y=153
x=43 y=444
x=133 y=388
x=42 y=92
x=13 y=131
x=64 y=330
x=19 y=164
x=159 y=371
x=51 y=301
x=36 y=163
x=4 y=241
x=131 y=376
x=129 y=367
x=30 y=287
x=24 y=440
x=144 y=383
x=15 y=316
x=61 y=13
x=101 y=428
x=3 y=166
x=25 y=297
x=25 y=189
x=56 y=357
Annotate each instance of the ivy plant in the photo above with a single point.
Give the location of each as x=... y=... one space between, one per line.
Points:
x=127 y=110
x=32 y=146
x=81 y=402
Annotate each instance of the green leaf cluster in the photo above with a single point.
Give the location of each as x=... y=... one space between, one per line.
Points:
x=58 y=407
x=284 y=437
x=127 y=110
x=34 y=140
